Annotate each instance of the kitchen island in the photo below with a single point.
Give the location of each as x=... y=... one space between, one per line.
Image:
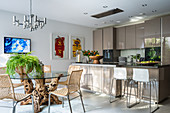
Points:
x=97 y=77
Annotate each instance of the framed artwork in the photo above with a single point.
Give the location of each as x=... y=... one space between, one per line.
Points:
x=59 y=46
x=76 y=43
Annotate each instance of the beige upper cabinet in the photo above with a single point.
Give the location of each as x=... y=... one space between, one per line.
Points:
x=120 y=38
x=108 y=38
x=140 y=35
x=98 y=40
x=152 y=28
x=130 y=37
x=166 y=26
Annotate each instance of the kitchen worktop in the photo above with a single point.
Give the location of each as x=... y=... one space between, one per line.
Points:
x=126 y=64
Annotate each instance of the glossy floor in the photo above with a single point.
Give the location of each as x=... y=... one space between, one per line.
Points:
x=94 y=103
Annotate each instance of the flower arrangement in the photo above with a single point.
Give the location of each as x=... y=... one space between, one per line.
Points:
x=90 y=53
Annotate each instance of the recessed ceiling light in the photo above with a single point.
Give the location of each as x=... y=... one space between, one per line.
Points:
x=144 y=5
x=130 y=16
x=85 y=13
x=142 y=14
x=117 y=21
x=153 y=11
x=105 y=6
x=136 y=18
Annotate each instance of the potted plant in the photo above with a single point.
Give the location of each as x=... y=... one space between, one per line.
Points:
x=23 y=64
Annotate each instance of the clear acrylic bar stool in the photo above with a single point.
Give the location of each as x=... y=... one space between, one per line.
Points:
x=119 y=74
x=142 y=76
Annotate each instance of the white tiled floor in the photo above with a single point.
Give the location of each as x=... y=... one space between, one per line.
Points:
x=94 y=103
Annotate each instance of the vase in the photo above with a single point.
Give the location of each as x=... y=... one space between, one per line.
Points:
x=86 y=59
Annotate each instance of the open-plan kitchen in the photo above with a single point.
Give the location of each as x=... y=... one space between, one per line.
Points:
x=91 y=56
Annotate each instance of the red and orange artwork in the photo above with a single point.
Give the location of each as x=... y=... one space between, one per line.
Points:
x=59 y=46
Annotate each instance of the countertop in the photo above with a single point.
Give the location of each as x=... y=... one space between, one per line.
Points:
x=125 y=64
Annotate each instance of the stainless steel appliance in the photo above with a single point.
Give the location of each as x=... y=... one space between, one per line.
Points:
x=122 y=59
x=110 y=55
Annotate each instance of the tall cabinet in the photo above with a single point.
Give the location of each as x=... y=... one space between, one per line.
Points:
x=130 y=37
x=140 y=35
x=108 y=38
x=98 y=40
x=120 y=38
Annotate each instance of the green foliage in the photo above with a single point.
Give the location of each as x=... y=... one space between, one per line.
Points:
x=24 y=60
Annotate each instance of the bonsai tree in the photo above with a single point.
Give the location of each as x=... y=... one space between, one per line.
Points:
x=24 y=63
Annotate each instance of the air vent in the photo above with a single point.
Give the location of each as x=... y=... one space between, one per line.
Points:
x=107 y=13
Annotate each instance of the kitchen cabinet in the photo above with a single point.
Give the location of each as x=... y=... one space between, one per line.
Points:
x=166 y=26
x=108 y=38
x=139 y=36
x=130 y=37
x=120 y=38
x=98 y=40
x=152 y=28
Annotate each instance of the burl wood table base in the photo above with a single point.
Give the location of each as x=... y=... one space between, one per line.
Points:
x=40 y=92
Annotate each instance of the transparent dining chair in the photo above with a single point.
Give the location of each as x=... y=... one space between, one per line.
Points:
x=73 y=86
x=142 y=76
x=7 y=92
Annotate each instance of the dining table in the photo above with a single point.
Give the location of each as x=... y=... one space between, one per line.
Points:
x=39 y=89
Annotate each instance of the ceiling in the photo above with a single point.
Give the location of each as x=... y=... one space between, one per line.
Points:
x=80 y=11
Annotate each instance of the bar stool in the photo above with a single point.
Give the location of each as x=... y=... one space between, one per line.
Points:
x=142 y=76
x=119 y=74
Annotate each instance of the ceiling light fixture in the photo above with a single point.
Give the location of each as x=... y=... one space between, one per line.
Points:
x=136 y=18
x=30 y=21
x=105 y=6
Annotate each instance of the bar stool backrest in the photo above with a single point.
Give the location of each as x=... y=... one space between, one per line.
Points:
x=141 y=75
x=120 y=73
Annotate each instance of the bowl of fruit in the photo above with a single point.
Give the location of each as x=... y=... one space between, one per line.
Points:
x=96 y=59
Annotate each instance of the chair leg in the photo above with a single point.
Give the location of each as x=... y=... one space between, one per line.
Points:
x=14 y=107
x=62 y=102
x=82 y=101
x=49 y=103
x=128 y=105
x=69 y=103
x=150 y=99
x=32 y=103
x=111 y=90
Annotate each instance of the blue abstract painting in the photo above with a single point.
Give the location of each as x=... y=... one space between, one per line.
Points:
x=16 y=45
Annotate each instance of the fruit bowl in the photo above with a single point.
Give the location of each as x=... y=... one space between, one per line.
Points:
x=96 y=59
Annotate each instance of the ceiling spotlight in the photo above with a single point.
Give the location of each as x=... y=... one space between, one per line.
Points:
x=136 y=18
x=105 y=6
x=144 y=5
x=153 y=11
x=142 y=14
x=117 y=21
x=85 y=13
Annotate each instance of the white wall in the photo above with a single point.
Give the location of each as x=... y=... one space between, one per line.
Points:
x=40 y=38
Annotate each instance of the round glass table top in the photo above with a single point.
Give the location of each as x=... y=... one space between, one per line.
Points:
x=51 y=75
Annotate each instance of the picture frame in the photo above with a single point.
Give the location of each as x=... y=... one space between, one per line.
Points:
x=75 y=43
x=59 y=46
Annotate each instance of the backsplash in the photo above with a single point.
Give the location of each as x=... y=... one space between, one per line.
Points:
x=126 y=53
